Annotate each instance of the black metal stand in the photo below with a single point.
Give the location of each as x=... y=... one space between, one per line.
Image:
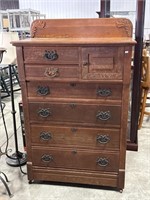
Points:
x=17 y=158
x=5 y=184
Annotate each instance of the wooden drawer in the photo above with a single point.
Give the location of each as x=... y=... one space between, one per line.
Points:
x=44 y=89
x=51 y=55
x=55 y=72
x=104 y=115
x=73 y=158
x=102 y=63
x=77 y=136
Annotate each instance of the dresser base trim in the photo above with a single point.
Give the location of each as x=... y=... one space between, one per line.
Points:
x=79 y=177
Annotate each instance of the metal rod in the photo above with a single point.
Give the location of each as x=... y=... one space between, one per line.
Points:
x=13 y=109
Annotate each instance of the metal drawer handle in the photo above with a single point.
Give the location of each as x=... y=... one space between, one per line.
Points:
x=103 y=139
x=102 y=162
x=51 y=72
x=45 y=136
x=51 y=55
x=74 y=130
x=47 y=158
x=73 y=105
x=44 y=112
x=103 y=92
x=43 y=91
x=103 y=115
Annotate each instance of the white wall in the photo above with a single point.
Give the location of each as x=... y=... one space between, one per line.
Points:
x=84 y=9
x=63 y=8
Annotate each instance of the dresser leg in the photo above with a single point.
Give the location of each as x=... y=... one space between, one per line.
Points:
x=121 y=190
x=30 y=181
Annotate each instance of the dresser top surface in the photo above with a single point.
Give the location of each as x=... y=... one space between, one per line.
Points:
x=73 y=41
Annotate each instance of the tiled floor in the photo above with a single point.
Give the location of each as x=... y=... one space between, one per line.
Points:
x=137 y=182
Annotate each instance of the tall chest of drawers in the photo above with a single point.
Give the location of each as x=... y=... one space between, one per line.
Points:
x=75 y=75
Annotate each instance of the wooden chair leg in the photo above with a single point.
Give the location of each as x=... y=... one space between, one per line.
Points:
x=145 y=92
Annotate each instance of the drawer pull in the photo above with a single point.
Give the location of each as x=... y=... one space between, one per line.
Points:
x=43 y=91
x=47 y=158
x=103 y=115
x=104 y=92
x=44 y=112
x=73 y=105
x=51 y=55
x=45 y=136
x=73 y=130
x=72 y=84
x=51 y=72
x=103 y=139
x=102 y=162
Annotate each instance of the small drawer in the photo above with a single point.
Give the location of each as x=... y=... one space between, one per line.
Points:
x=74 y=90
x=55 y=72
x=51 y=55
x=76 y=159
x=79 y=136
x=75 y=112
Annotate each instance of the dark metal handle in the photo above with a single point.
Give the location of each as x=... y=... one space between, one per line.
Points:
x=103 y=92
x=45 y=136
x=47 y=158
x=43 y=91
x=51 y=72
x=73 y=105
x=102 y=162
x=103 y=115
x=73 y=130
x=72 y=84
x=51 y=55
x=44 y=112
x=103 y=139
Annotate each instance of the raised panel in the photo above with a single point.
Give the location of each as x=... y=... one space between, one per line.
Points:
x=104 y=63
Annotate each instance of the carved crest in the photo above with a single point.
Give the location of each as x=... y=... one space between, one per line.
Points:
x=38 y=24
x=126 y=24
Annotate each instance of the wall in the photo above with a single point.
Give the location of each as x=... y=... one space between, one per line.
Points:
x=63 y=8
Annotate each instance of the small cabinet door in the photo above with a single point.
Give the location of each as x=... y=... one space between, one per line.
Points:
x=102 y=63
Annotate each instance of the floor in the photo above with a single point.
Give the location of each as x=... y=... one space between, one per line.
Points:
x=137 y=182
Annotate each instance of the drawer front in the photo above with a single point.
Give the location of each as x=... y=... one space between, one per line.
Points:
x=55 y=72
x=75 y=112
x=77 y=136
x=51 y=55
x=75 y=159
x=74 y=90
x=102 y=63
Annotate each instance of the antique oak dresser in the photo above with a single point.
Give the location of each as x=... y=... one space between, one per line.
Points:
x=75 y=76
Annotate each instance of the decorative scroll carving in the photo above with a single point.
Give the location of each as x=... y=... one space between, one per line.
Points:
x=38 y=24
x=126 y=24
x=102 y=76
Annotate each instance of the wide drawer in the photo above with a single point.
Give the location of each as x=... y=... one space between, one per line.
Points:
x=51 y=55
x=75 y=136
x=73 y=158
x=55 y=72
x=75 y=112
x=44 y=89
